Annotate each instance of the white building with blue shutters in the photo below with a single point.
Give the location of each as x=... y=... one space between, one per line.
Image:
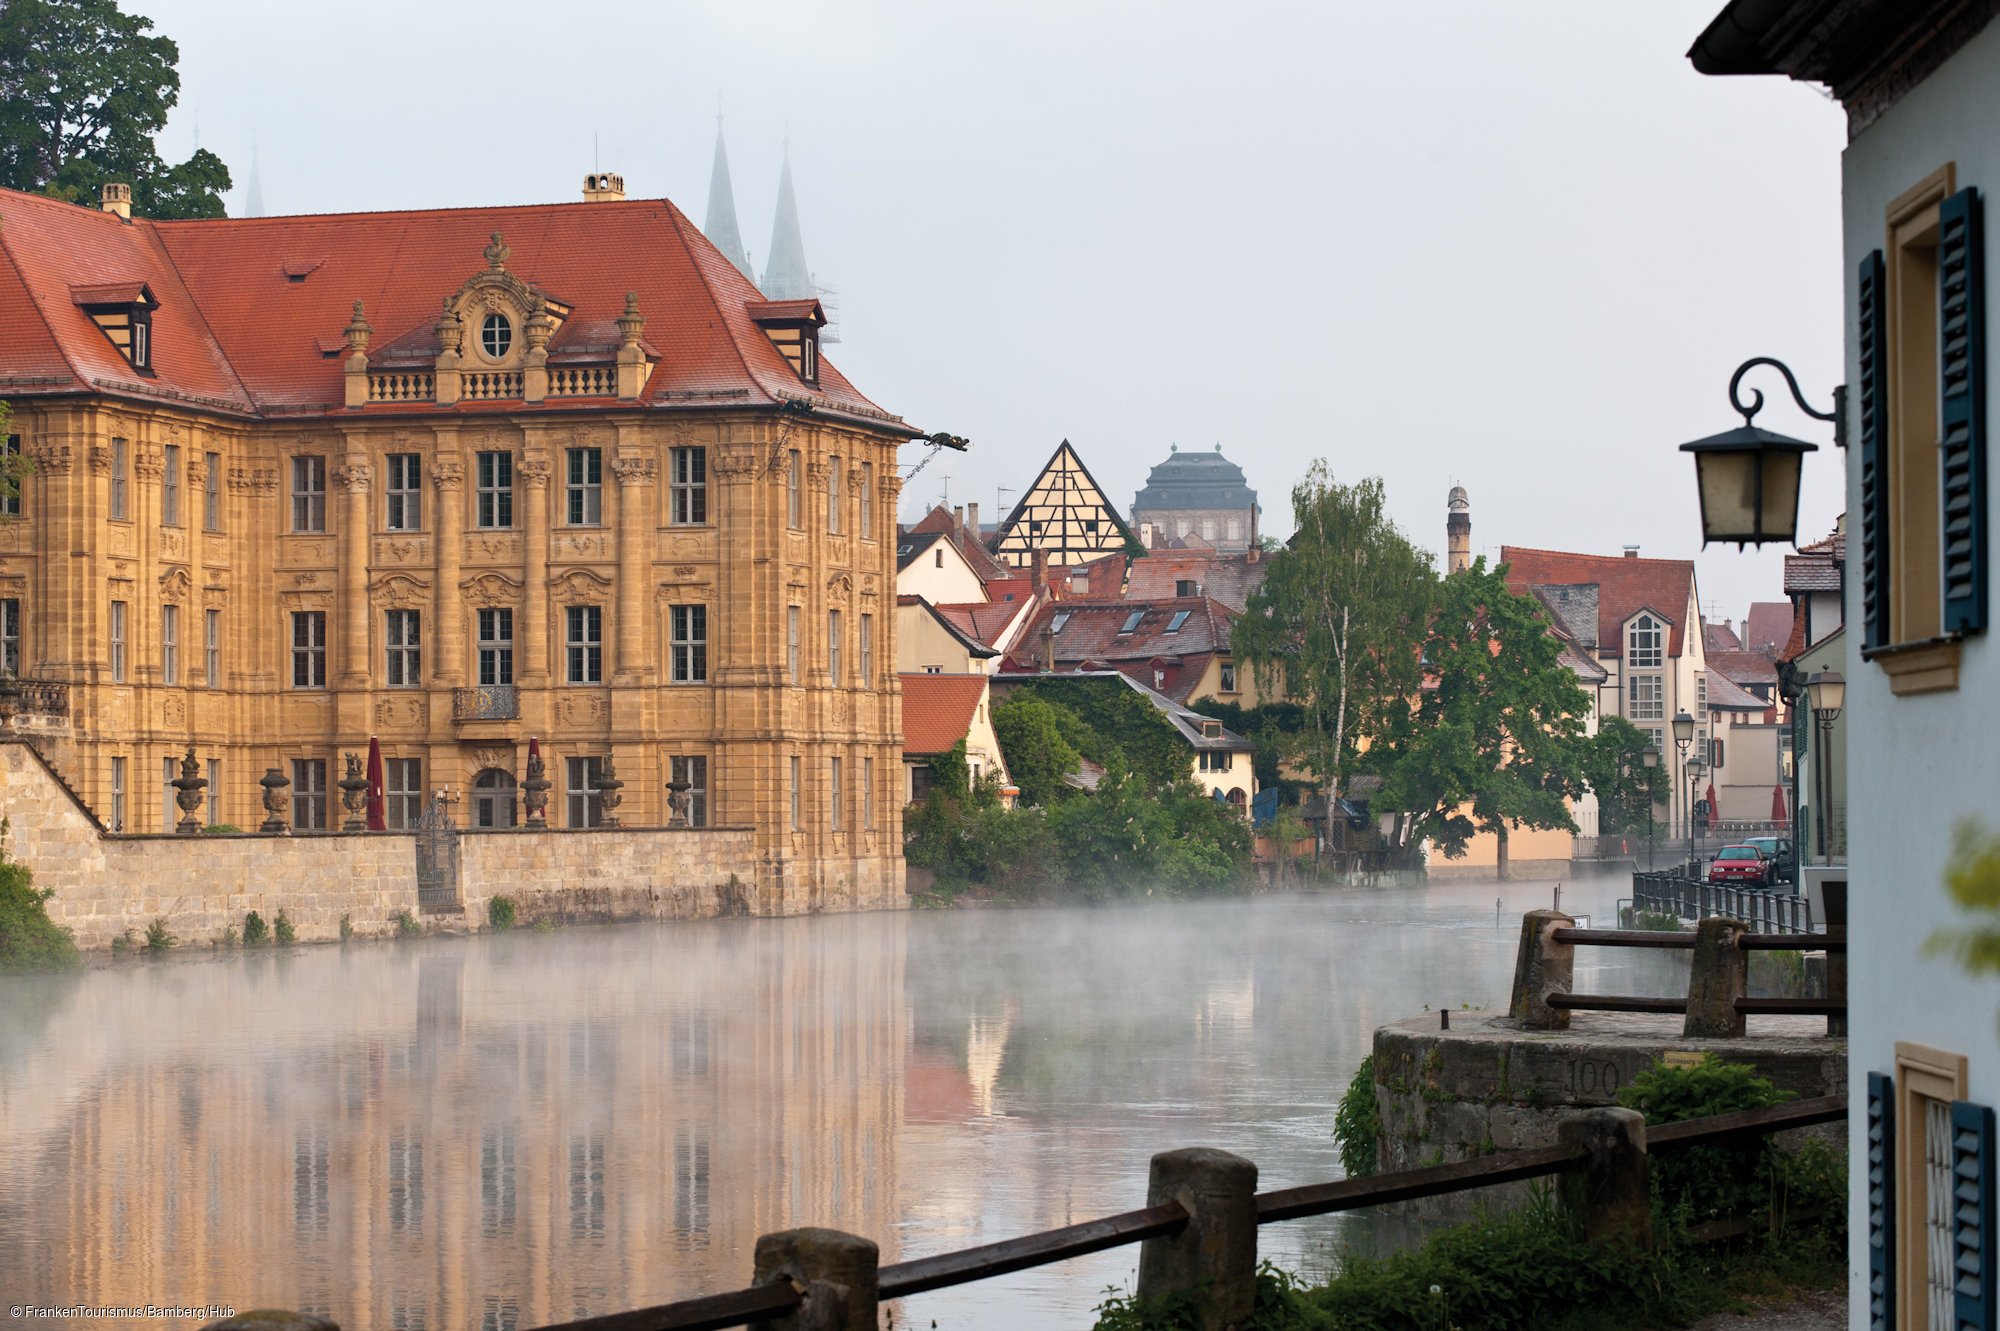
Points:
x=1920 y=80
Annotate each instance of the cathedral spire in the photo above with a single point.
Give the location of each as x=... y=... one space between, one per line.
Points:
x=253 y=189
x=786 y=276
x=720 y=228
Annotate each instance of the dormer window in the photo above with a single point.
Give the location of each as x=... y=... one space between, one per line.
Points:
x=793 y=327
x=1131 y=622
x=123 y=312
x=1211 y=730
x=496 y=336
x=1056 y=624
x=1180 y=618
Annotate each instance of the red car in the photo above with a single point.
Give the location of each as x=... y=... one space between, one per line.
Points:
x=1740 y=864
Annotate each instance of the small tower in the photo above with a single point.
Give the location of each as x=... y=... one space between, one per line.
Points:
x=1458 y=531
x=720 y=228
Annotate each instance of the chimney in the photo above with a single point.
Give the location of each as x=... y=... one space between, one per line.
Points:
x=972 y=520
x=1038 y=567
x=1458 y=531
x=1631 y=552
x=958 y=515
x=604 y=187
x=118 y=199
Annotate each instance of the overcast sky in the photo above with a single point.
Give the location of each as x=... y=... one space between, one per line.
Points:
x=1515 y=247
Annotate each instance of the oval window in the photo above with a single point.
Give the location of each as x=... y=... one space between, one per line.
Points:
x=496 y=335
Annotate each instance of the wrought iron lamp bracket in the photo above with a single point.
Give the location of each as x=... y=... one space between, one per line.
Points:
x=1756 y=404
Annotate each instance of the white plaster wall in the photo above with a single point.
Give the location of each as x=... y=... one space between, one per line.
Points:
x=1921 y=763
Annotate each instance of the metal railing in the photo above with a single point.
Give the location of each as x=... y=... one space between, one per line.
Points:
x=1688 y=898
x=488 y=702
x=781 y=1293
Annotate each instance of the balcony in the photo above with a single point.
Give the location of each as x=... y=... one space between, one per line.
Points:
x=488 y=702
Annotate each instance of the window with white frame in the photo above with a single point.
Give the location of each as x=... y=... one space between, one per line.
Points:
x=865 y=651
x=868 y=793
x=867 y=532
x=309 y=794
x=496 y=645
x=1644 y=647
x=214 y=792
x=795 y=468
x=10 y=636
x=583 y=644
x=833 y=791
x=585 y=800
x=169 y=810
x=309 y=649
x=692 y=769
x=170 y=488
x=404 y=493
x=403 y=634
x=798 y=796
x=121 y=467
x=118 y=642
x=687 y=642
x=117 y=794
x=211 y=492
x=211 y=648
x=309 y=492
x=792 y=644
x=833 y=645
x=584 y=495
x=170 y=644
x=834 y=494
x=1645 y=698
x=1701 y=696
x=403 y=785
x=687 y=486
x=493 y=476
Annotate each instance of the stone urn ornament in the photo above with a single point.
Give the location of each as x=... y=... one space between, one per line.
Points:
x=274 y=783
x=354 y=795
x=188 y=787
x=608 y=798
x=535 y=790
x=677 y=803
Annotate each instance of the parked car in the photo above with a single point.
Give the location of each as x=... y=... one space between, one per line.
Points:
x=1778 y=850
x=1743 y=865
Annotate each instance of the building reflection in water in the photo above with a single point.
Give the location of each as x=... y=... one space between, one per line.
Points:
x=447 y=1134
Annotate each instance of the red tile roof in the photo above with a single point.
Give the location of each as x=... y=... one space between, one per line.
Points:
x=1744 y=667
x=984 y=621
x=938 y=710
x=1720 y=638
x=1091 y=633
x=1769 y=626
x=984 y=566
x=1625 y=586
x=1228 y=578
x=1725 y=696
x=234 y=330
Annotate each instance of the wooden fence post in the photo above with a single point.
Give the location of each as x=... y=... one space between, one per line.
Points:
x=1717 y=977
x=839 y=1273
x=1214 y=1259
x=1542 y=967
x=1610 y=1191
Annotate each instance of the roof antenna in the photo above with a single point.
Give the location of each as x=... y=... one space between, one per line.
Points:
x=593 y=152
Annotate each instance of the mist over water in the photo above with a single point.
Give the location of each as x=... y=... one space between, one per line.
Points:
x=506 y=1131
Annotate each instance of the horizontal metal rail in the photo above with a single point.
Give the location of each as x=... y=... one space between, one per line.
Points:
x=718 y=1311
x=1615 y=1003
x=1055 y=1245
x=1623 y=938
x=1833 y=940
x=1777 y=1007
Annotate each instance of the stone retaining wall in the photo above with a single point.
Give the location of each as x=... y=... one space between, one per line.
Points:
x=1486 y=1085
x=106 y=886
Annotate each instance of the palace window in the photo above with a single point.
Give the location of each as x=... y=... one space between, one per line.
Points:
x=868 y=794
x=117 y=794
x=121 y=468
x=118 y=642
x=170 y=488
x=792 y=644
x=169 y=813
x=865 y=652
x=309 y=649
x=687 y=635
x=794 y=478
x=868 y=502
x=493 y=798
x=496 y=336
x=687 y=486
x=798 y=796
x=403 y=784
x=10 y=637
x=1645 y=699
x=584 y=644
x=10 y=496
x=693 y=769
x=585 y=804
x=211 y=646
x=585 y=494
x=494 y=473
x=170 y=644
x=404 y=635
x=1643 y=644
x=405 y=492
x=1208 y=529
x=309 y=492
x=309 y=794
x=833 y=495
x=833 y=791
x=496 y=646
x=214 y=805
x=833 y=647
x=211 y=492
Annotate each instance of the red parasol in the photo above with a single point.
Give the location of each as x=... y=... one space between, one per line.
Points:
x=376 y=804
x=1779 y=814
x=1714 y=814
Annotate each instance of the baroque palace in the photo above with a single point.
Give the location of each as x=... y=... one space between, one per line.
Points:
x=451 y=480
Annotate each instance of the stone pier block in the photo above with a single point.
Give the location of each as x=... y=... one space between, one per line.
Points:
x=1610 y=1190
x=1542 y=967
x=1214 y=1259
x=839 y=1272
x=1718 y=976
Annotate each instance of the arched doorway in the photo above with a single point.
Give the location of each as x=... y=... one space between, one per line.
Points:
x=493 y=798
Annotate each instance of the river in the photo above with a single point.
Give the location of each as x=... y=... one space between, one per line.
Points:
x=500 y=1132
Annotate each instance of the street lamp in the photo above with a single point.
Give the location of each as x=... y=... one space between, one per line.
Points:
x=1684 y=736
x=1652 y=761
x=1827 y=690
x=1749 y=478
x=1697 y=768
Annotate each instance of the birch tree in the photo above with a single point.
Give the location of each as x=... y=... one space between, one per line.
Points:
x=1338 y=624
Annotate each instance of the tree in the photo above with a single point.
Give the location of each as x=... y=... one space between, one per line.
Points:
x=1615 y=770
x=1337 y=622
x=1496 y=737
x=83 y=92
x=1038 y=755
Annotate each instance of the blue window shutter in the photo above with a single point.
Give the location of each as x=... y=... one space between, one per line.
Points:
x=1881 y=1202
x=1962 y=411
x=1972 y=1216
x=1873 y=400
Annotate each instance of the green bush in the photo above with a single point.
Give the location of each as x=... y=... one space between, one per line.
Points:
x=29 y=939
x=159 y=938
x=406 y=925
x=222 y=829
x=1357 y=1124
x=255 y=932
x=229 y=937
x=121 y=944
x=500 y=914
x=1701 y=1182
x=346 y=927
x=283 y=927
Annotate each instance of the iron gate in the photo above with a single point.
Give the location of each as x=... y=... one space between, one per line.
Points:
x=437 y=859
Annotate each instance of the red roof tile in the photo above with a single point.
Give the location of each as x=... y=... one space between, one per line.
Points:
x=1228 y=578
x=938 y=710
x=984 y=621
x=233 y=327
x=1769 y=626
x=1625 y=586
